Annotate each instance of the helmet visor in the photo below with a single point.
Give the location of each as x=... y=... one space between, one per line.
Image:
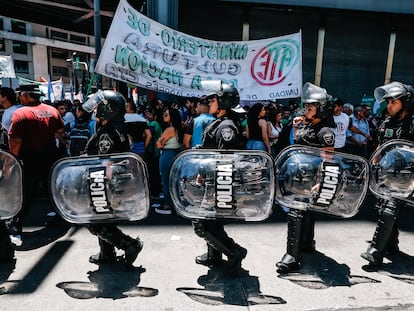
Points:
x=313 y=94
x=393 y=90
x=93 y=101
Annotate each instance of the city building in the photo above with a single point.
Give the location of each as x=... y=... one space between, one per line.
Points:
x=349 y=47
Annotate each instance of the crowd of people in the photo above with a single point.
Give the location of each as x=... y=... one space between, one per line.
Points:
x=39 y=134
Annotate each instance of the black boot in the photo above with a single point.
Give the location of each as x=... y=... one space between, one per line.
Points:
x=291 y=260
x=105 y=256
x=211 y=258
x=236 y=257
x=224 y=244
x=132 y=247
x=307 y=243
x=6 y=246
x=392 y=246
x=376 y=251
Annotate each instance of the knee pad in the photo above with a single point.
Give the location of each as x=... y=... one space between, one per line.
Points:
x=295 y=213
x=389 y=209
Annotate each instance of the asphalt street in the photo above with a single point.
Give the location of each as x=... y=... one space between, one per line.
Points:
x=52 y=271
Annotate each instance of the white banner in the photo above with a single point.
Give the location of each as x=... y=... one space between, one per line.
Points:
x=145 y=53
x=7 y=67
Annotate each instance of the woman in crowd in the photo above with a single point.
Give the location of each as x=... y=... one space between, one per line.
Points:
x=170 y=143
x=274 y=128
x=256 y=129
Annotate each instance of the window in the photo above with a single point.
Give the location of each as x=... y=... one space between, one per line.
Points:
x=19 y=47
x=59 y=54
x=77 y=39
x=18 y=27
x=2 y=45
x=21 y=66
x=1 y=24
x=58 y=35
x=60 y=71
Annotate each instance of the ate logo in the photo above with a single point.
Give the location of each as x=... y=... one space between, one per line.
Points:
x=273 y=63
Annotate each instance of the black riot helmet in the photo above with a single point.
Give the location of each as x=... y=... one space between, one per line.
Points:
x=396 y=90
x=312 y=94
x=227 y=95
x=110 y=105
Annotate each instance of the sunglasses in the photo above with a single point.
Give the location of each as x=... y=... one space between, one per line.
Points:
x=166 y=114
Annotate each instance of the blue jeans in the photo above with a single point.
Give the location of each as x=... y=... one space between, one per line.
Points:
x=253 y=144
x=166 y=159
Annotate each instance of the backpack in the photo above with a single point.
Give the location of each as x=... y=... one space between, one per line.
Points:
x=78 y=138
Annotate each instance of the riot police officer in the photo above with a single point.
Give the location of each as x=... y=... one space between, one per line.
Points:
x=110 y=137
x=398 y=125
x=318 y=132
x=222 y=133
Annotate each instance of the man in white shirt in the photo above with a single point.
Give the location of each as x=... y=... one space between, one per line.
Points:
x=8 y=102
x=343 y=124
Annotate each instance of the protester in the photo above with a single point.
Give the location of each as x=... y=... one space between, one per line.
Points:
x=137 y=129
x=193 y=135
x=256 y=129
x=171 y=144
x=274 y=128
x=8 y=102
x=33 y=134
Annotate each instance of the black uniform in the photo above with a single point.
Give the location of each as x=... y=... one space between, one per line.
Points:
x=385 y=240
x=223 y=133
x=301 y=223
x=111 y=138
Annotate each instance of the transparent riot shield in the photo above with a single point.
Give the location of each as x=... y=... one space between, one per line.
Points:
x=11 y=186
x=392 y=167
x=218 y=184
x=96 y=189
x=309 y=178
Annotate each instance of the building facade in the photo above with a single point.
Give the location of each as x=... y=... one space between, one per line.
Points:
x=348 y=47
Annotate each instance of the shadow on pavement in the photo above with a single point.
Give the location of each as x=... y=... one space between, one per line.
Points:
x=220 y=288
x=400 y=267
x=35 y=277
x=114 y=281
x=322 y=272
x=44 y=236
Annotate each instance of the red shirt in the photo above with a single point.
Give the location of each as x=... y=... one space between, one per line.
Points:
x=35 y=125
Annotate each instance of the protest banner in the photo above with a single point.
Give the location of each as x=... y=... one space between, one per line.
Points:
x=145 y=53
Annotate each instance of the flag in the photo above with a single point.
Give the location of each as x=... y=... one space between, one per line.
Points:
x=71 y=91
x=7 y=67
x=50 y=90
x=62 y=95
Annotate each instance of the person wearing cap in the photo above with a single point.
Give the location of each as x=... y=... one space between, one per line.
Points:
x=348 y=108
x=399 y=124
x=193 y=135
x=317 y=132
x=222 y=133
x=32 y=140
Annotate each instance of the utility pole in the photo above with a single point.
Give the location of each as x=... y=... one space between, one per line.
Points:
x=97 y=31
